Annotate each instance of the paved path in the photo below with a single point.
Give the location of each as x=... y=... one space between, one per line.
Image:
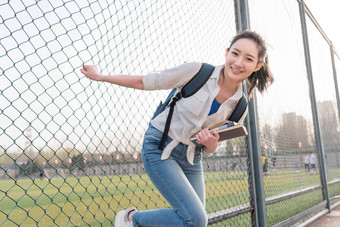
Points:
x=331 y=219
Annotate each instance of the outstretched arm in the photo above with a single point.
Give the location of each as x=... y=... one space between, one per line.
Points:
x=91 y=72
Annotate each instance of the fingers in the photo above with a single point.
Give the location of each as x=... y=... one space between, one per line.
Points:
x=205 y=134
x=84 y=69
x=209 y=139
x=89 y=70
x=88 y=67
x=215 y=133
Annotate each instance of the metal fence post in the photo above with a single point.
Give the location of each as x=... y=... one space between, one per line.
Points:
x=335 y=80
x=259 y=202
x=318 y=139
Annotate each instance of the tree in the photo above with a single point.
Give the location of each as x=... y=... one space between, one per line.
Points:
x=79 y=161
x=328 y=123
x=28 y=145
x=29 y=167
x=267 y=136
x=292 y=131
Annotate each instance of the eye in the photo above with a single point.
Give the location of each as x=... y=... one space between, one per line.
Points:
x=234 y=53
x=250 y=59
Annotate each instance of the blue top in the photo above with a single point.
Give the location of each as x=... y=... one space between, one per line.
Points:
x=214 y=107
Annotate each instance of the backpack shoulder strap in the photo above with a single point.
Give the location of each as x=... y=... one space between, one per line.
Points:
x=239 y=109
x=162 y=105
x=198 y=81
x=190 y=88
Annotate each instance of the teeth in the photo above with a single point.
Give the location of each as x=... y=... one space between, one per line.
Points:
x=235 y=70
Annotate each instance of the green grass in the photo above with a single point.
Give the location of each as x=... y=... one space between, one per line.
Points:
x=283 y=210
x=95 y=200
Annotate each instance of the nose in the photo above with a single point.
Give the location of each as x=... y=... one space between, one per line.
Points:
x=239 y=62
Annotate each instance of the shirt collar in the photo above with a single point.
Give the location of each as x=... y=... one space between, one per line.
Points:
x=238 y=94
x=216 y=72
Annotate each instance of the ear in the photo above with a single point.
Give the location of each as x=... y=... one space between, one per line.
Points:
x=259 y=65
x=226 y=52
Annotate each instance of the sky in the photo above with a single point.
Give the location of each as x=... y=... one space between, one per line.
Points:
x=51 y=36
x=43 y=44
x=327 y=13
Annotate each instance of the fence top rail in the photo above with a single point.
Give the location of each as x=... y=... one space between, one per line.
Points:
x=317 y=25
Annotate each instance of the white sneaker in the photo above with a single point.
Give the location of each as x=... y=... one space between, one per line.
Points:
x=122 y=218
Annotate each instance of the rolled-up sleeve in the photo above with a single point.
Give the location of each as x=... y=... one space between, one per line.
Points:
x=171 y=78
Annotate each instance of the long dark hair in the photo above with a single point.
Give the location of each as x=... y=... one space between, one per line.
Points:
x=262 y=78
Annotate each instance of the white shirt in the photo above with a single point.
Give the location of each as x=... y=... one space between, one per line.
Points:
x=190 y=114
x=306 y=159
x=312 y=159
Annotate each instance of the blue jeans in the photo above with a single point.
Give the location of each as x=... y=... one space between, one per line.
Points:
x=181 y=184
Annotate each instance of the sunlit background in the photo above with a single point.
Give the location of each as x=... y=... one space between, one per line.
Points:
x=82 y=139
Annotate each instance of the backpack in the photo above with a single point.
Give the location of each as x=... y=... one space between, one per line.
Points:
x=189 y=89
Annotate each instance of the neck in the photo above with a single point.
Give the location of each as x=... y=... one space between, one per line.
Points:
x=225 y=83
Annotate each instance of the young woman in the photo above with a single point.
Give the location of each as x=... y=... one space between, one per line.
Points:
x=177 y=170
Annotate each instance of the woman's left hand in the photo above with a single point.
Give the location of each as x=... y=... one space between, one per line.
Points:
x=209 y=139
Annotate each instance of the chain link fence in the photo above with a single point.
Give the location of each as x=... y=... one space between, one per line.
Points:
x=292 y=181
x=70 y=149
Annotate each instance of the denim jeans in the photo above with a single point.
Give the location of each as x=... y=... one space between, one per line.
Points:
x=181 y=184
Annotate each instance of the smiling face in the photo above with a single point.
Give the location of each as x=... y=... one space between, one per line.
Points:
x=241 y=60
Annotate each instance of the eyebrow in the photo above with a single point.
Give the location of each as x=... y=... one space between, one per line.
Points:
x=241 y=51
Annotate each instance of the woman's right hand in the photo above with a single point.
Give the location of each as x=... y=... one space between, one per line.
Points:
x=91 y=72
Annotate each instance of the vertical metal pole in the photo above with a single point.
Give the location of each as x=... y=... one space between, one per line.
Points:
x=335 y=80
x=243 y=23
x=260 y=200
x=242 y=15
x=318 y=138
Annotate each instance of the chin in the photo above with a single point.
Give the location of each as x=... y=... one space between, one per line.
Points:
x=237 y=77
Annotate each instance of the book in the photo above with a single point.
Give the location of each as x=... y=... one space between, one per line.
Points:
x=227 y=130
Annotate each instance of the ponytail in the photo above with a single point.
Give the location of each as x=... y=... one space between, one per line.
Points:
x=260 y=79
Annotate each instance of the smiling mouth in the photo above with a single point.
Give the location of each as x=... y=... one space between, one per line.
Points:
x=237 y=71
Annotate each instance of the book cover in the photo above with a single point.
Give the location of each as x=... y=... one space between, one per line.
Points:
x=227 y=131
